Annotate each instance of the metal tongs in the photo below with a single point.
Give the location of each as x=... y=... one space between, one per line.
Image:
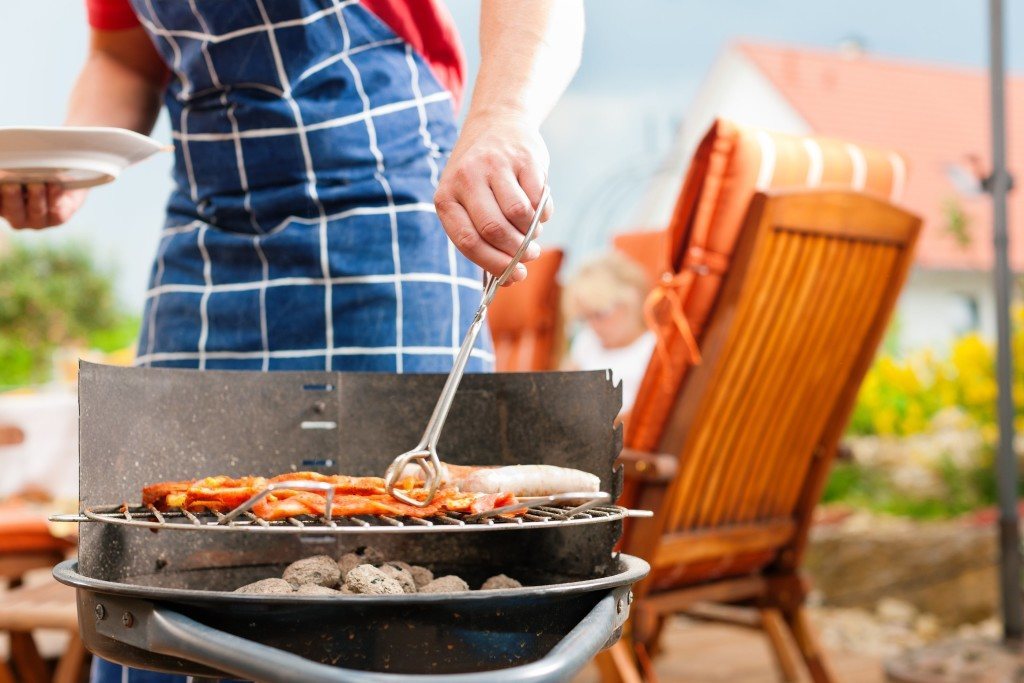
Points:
x=425 y=452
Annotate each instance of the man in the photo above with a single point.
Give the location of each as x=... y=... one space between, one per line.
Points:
x=316 y=161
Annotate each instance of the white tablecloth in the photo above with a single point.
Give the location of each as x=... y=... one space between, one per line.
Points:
x=48 y=457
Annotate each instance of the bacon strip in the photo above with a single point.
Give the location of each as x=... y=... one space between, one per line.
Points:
x=166 y=494
x=342 y=483
x=353 y=496
x=345 y=505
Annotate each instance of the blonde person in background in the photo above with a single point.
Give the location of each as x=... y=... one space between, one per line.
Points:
x=607 y=294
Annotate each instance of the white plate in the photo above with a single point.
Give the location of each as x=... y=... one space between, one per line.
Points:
x=74 y=156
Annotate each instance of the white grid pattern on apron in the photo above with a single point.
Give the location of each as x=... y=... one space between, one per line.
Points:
x=366 y=116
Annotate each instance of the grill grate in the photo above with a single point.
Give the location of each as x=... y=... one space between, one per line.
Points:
x=534 y=517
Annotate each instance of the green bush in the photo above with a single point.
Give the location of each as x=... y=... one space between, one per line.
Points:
x=870 y=488
x=931 y=427
x=52 y=297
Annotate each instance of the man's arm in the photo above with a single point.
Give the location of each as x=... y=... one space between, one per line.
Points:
x=530 y=50
x=119 y=85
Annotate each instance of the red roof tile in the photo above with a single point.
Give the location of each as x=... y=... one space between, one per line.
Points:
x=936 y=116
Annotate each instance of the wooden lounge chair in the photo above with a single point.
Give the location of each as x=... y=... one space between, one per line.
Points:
x=524 y=319
x=786 y=297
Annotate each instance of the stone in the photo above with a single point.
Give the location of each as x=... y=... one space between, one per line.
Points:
x=896 y=611
x=400 y=575
x=320 y=570
x=369 y=580
x=348 y=562
x=314 y=589
x=445 y=584
x=957 y=661
x=373 y=556
x=928 y=627
x=267 y=587
x=421 y=575
x=947 y=569
x=500 y=581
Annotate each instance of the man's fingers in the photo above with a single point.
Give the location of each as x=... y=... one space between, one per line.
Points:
x=514 y=204
x=57 y=205
x=63 y=203
x=38 y=205
x=532 y=180
x=482 y=206
x=464 y=236
x=12 y=204
x=35 y=205
x=548 y=212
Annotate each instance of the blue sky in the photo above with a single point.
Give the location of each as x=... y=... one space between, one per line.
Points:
x=643 y=62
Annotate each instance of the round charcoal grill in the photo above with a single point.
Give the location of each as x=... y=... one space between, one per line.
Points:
x=155 y=589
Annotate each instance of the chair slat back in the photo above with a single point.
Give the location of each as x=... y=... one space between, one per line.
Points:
x=802 y=312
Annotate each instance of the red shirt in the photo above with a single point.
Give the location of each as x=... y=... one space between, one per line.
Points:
x=425 y=24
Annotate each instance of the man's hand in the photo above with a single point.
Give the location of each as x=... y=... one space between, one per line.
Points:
x=489 y=191
x=35 y=206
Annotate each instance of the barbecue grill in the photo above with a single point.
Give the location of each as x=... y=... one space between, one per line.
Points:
x=155 y=589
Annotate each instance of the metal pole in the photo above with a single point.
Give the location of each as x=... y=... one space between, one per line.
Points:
x=998 y=184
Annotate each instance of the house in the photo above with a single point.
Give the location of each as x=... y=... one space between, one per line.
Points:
x=937 y=117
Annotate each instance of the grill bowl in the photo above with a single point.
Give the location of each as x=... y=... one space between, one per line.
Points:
x=440 y=634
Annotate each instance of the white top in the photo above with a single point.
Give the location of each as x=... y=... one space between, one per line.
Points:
x=627 y=363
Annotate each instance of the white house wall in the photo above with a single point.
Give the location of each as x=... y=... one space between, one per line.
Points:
x=936 y=307
x=734 y=89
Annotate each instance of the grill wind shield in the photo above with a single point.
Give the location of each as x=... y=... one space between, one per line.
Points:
x=142 y=425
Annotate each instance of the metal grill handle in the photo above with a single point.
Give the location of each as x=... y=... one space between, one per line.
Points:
x=158 y=629
x=425 y=452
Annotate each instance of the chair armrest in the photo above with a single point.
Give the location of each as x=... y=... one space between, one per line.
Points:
x=648 y=467
x=10 y=435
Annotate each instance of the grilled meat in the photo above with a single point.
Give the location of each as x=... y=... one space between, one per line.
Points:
x=353 y=496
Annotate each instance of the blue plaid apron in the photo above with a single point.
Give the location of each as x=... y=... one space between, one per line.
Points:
x=301 y=233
